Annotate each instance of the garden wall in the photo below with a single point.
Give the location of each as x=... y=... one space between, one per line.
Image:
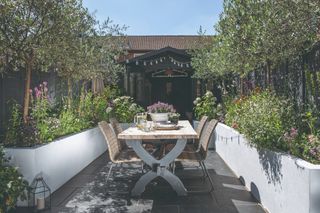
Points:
x=281 y=182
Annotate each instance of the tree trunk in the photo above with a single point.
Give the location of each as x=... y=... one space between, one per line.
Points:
x=26 y=101
x=69 y=84
x=269 y=81
x=241 y=86
x=316 y=88
x=303 y=81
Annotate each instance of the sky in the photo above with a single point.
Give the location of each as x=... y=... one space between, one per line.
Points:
x=159 y=17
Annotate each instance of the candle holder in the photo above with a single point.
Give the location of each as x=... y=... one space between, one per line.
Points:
x=39 y=195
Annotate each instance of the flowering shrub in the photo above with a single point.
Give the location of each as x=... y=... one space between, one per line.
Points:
x=269 y=122
x=264 y=118
x=160 y=108
x=311 y=147
x=47 y=122
x=206 y=105
x=12 y=186
x=40 y=106
x=123 y=108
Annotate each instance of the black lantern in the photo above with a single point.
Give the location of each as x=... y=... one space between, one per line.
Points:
x=39 y=195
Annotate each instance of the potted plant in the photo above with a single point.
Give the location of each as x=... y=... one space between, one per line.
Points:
x=174 y=118
x=159 y=111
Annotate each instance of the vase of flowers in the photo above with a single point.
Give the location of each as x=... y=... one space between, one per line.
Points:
x=159 y=111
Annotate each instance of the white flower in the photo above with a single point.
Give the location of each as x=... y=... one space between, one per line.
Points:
x=133 y=107
x=109 y=109
x=9 y=184
x=208 y=94
x=116 y=100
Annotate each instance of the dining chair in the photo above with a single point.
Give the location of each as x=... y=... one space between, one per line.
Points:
x=193 y=143
x=200 y=154
x=148 y=145
x=118 y=155
x=199 y=130
x=117 y=130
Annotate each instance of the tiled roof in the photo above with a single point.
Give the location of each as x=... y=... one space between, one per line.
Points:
x=158 y=42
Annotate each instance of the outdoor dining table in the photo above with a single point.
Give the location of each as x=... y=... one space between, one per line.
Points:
x=134 y=138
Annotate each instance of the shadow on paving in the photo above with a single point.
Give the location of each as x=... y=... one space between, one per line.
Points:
x=87 y=192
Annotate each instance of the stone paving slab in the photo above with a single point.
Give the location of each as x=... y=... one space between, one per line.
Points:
x=228 y=196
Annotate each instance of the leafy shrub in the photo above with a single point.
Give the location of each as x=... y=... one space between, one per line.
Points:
x=263 y=118
x=12 y=186
x=71 y=123
x=124 y=109
x=14 y=126
x=86 y=111
x=206 y=105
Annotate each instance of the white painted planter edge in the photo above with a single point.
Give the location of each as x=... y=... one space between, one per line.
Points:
x=296 y=190
x=300 y=162
x=59 y=160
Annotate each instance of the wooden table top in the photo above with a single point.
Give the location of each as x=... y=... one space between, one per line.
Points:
x=185 y=132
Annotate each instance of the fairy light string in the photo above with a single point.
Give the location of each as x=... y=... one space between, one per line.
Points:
x=159 y=60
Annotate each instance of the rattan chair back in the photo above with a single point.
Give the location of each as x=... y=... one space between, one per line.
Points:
x=114 y=147
x=199 y=130
x=118 y=129
x=205 y=137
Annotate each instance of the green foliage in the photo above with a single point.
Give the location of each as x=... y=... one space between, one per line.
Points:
x=12 y=186
x=310 y=144
x=45 y=124
x=40 y=107
x=86 y=106
x=253 y=33
x=71 y=123
x=263 y=118
x=124 y=109
x=14 y=125
x=206 y=105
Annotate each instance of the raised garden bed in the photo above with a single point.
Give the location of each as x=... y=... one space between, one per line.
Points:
x=281 y=182
x=59 y=160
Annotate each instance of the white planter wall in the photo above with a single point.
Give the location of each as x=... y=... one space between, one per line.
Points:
x=60 y=160
x=281 y=182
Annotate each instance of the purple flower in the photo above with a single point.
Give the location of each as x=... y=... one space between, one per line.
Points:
x=313 y=152
x=160 y=108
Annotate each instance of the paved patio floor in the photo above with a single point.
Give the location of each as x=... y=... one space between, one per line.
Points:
x=228 y=196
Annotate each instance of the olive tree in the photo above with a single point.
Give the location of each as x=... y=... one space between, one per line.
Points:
x=29 y=30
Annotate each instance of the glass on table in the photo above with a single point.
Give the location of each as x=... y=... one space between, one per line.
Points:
x=140 y=119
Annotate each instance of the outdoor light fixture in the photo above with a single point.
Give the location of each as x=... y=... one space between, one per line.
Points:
x=39 y=195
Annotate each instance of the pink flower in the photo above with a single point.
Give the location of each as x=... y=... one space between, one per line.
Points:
x=45 y=89
x=293 y=132
x=30 y=90
x=45 y=83
x=38 y=93
x=40 y=85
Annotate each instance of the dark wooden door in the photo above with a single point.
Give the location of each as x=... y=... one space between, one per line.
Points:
x=175 y=91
